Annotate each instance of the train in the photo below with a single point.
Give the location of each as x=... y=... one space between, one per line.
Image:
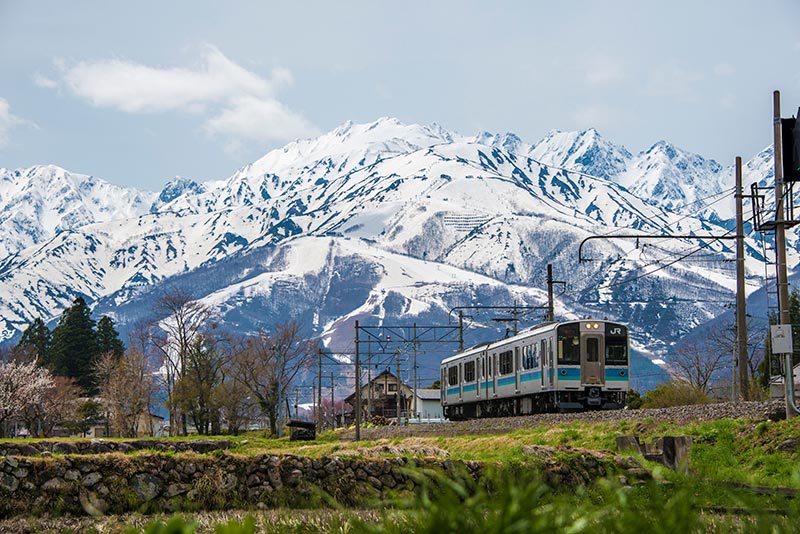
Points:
x=554 y=367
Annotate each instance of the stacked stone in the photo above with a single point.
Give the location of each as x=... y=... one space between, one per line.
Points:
x=149 y=482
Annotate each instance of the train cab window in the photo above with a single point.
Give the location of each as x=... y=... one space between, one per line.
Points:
x=569 y=344
x=452 y=375
x=616 y=352
x=569 y=350
x=469 y=371
x=592 y=349
x=506 y=363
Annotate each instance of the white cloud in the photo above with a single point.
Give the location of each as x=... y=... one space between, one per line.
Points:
x=596 y=116
x=673 y=81
x=727 y=101
x=259 y=119
x=724 y=69
x=8 y=121
x=603 y=70
x=44 y=82
x=232 y=98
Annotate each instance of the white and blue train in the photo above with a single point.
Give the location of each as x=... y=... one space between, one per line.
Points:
x=562 y=366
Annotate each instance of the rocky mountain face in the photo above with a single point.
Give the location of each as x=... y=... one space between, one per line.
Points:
x=391 y=224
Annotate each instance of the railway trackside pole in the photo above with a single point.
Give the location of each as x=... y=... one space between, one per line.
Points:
x=741 y=300
x=358 y=390
x=780 y=251
x=415 y=370
x=551 y=315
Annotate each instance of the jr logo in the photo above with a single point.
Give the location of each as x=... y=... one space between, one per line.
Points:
x=615 y=331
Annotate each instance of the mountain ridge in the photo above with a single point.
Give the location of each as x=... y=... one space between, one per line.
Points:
x=482 y=205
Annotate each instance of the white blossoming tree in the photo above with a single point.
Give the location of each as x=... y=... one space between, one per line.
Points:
x=22 y=385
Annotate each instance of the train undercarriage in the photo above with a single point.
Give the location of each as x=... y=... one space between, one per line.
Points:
x=590 y=398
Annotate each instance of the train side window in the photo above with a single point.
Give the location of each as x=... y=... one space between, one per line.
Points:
x=483 y=366
x=506 y=363
x=535 y=355
x=452 y=375
x=469 y=371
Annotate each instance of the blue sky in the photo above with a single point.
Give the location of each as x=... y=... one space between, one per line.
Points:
x=138 y=92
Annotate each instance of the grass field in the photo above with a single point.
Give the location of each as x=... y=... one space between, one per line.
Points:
x=743 y=476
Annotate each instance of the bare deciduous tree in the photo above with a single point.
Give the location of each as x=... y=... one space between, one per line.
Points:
x=180 y=320
x=699 y=365
x=127 y=388
x=268 y=363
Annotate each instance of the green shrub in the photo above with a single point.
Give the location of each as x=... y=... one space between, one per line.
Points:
x=633 y=399
x=674 y=393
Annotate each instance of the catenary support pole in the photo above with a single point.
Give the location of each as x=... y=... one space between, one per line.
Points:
x=741 y=296
x=358 y=390
x=780 y=251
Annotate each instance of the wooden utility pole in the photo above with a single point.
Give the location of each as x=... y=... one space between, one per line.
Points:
x=741 y=300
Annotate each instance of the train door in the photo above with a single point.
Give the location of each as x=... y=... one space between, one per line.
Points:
x=493 y=368
x=547 y=377
x=593 y=362
x=460 y=380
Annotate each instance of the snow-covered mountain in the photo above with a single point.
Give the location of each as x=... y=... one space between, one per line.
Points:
x=385 y=222
x=37 y=203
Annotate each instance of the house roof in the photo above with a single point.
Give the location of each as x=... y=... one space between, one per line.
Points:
x=428 y=394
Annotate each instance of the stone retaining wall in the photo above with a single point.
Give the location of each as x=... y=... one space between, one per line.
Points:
x=50 y=483
x=151 y=482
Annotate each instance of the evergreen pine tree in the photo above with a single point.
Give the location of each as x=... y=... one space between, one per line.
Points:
x=74 y=349
x=38 y=339
x=108 y=341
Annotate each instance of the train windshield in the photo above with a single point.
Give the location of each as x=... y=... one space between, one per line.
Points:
x=569 y=344
x=616 y=352
x=616 y=344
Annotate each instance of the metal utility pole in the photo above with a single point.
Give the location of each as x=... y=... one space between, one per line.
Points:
x=333 y=405
x=780 y=251
x=551 y=314
x=358 y=390
x=369 y=379
x=741 y=301
x=415 y=371
x=319 y=389
x=399 y=383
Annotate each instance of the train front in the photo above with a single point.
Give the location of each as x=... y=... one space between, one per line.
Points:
x=593 y=365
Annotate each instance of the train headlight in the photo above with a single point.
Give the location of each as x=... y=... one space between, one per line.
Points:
x=595 y=326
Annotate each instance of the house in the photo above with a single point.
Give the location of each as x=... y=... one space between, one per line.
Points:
x=379 y=398
x=428 y=406
x=777 y=387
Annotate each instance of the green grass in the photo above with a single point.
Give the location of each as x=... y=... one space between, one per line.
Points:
x=509 y=501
